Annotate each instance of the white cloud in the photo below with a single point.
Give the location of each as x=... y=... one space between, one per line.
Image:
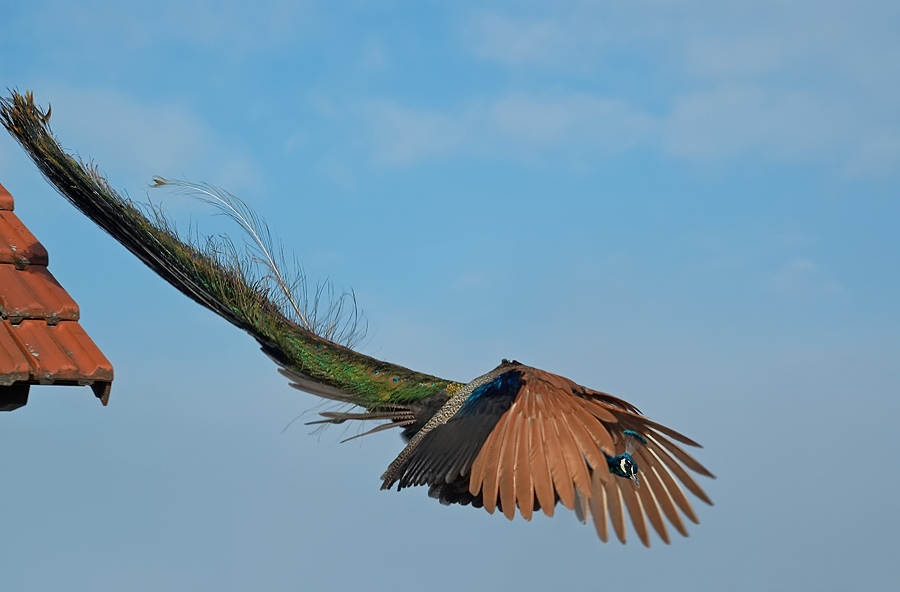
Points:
x=735 y=119
x=708 y=126
x=877 y=155
x=232 y=27
x=799 y=82
x=516 y=42
x=374 y=56
x=800 y=278
x=590 y=121
x=831 y=42
x=138 y=140
x=729 y=58
x=794 y=126
x=572 y=37
x=575 y=126
x=403 y=135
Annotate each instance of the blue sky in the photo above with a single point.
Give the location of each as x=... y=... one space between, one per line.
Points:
x=692 y=206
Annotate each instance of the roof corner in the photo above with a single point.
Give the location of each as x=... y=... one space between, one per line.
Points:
x=41 y=340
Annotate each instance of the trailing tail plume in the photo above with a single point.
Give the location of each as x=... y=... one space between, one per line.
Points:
x=516 y=437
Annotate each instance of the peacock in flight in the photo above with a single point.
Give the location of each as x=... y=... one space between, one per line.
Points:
x=516 y=437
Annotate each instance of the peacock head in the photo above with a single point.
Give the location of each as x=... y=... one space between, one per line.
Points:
x=624 y=466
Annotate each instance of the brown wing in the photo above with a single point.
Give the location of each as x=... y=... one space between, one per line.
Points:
x=552 y=444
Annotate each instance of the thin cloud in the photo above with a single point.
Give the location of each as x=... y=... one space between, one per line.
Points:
x=374 y=56
x=231 y=27
x=709 y=126
x=516 y=42
x=784 y=82
x=403 y=135
x=587 y=120
x=140 y=139
x=801 y=278
x=737 y=119
x=576 y=126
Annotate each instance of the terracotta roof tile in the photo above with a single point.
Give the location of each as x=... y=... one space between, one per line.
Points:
x=60 y=353
x=17 y=245
x=33 y=293
x=41 y=341
x=6 y=200
x=12 y=359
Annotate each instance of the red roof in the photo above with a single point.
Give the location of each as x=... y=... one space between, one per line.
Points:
x=41 y=341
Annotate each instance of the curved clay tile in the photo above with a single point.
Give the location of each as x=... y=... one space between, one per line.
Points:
x=41 y=341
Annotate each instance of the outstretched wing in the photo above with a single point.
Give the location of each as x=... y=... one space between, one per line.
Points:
x=525 y=438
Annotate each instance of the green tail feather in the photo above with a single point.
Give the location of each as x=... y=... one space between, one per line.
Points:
x=217 y=278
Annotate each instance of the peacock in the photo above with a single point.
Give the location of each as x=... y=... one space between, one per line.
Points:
x=516 y=437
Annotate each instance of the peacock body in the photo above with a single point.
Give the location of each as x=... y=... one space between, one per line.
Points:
x=514 y=438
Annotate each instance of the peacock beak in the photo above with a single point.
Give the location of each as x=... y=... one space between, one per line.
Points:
x=637 y=480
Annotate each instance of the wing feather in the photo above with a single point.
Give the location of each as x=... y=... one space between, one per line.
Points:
x=587 y=448
x=647 y=496
x=676 y=469
x=575 y=466
x=655 y=498
x=491 y=482
x=651 y=476
x=669 y=432
x=599 y=504
x=524 y=482
x=562 y=480
x=540 y=461
x=629 y=495
x=571 y=452
x=589 y=434
x=507 y=465
x=679 y=453
x=598 y=410
x=614 y=505
x=676 y=493
x=476 y=475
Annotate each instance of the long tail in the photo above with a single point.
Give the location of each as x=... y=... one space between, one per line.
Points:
x=216 y=277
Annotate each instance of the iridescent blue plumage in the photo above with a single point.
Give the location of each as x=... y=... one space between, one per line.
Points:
x=634 y=436
x=623 y=465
